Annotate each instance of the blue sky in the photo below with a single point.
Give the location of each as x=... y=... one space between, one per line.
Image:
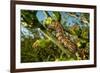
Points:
x=69 y=20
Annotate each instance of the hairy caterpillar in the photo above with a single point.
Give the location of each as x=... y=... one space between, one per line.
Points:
x=56 y=26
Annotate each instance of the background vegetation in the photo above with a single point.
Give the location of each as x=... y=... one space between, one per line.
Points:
x=38 y=44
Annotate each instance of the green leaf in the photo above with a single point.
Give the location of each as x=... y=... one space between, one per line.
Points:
x=56 y=16
x=42 y=43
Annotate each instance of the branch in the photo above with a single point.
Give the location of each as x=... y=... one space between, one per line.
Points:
x=56 y=42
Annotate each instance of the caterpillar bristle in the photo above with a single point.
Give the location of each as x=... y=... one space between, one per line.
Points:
x=62 y=38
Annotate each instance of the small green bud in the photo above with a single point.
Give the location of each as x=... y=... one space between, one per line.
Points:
x=48 y=21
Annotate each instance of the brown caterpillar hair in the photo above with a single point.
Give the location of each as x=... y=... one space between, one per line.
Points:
x=61 y=37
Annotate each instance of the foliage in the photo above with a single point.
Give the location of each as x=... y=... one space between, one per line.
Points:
x=38 y=43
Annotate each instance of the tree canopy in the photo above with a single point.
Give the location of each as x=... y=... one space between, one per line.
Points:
x=39 y=44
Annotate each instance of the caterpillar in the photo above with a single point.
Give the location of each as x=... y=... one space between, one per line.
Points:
x=63 y=39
